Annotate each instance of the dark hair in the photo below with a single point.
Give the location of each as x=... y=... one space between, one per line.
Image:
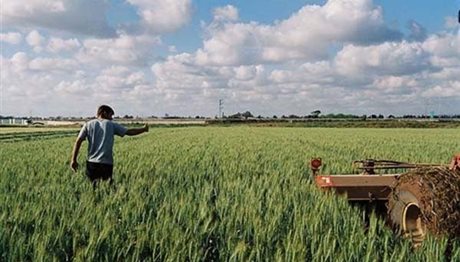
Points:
x=105 y=109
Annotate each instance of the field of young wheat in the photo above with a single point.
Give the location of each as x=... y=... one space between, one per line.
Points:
x=206 y=193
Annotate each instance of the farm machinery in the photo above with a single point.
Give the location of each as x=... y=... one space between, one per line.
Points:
x=422 y=198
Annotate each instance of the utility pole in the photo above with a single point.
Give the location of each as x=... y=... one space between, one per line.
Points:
x=1 y=99
x=221 y=108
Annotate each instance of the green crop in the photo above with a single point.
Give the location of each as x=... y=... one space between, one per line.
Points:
x=208 y=193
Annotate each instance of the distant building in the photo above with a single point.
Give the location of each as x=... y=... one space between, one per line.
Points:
x=14 y=121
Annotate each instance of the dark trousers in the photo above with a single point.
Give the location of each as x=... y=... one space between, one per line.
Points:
x=98 y=171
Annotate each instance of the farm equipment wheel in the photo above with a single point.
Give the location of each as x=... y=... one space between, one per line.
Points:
x=405 y=212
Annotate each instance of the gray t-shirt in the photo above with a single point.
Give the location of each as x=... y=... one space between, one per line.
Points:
x=100 y=134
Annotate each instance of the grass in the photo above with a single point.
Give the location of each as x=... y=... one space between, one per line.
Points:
x=203 y=193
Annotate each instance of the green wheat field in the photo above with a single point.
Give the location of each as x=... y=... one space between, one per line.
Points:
x=206 y=194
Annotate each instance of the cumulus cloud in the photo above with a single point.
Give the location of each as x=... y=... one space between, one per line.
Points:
x=192 y=78
x=124 y=50
x=84 y=17
x=393 y=58
x=63 y=85
x=56 y=45
x=396 y=84
x=444 y=45
x=337 y=57
x=22 y=63
x=307 y=34
x=76 y=87
x=53 y=64
x=451 y=22
x=163 y=16
x=226 y=13
x=449 y=89
x=417 y=31
x=359 y=79
x=19 y=62
x=35 y=40
x=13 y=38
x=21 y=85
x=444 y=50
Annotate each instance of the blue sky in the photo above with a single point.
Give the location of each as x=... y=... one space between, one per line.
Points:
x=179 y=57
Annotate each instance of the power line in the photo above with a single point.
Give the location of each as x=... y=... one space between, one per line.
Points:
x=221 y=108
x=1 y=75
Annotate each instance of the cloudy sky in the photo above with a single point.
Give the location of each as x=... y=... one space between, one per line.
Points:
x=179 y=57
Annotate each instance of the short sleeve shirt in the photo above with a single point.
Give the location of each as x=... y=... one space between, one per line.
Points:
x=100 y=135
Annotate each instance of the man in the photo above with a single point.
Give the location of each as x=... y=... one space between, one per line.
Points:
x=100 y=135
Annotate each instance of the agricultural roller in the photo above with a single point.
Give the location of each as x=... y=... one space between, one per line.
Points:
x=424 y=198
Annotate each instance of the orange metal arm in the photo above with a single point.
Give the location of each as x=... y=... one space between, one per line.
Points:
x=455 y=163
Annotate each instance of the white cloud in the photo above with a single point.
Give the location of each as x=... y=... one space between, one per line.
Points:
x=23 y=66
x=35 y=40
x=85 y=17
x=446 y=45
x=451 y=22
x=56 y=45
x=118 y=79
x=307 y=34
x=19 y=61
x=226 y=13
x=236 y=44
x=53 y=64
x=75 y=87
x=172 y=49
x=124 y=50
x=418 y=32
x=191 y=77
x=400 y=58
x=338 y=57
x=448 y=89
x=163 y=16
x=444 y=50
x=390 y=77
x=396 y=84
x=61 y=85
x=13 y=38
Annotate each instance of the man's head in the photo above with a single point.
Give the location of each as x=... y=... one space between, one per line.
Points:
x=105 y=112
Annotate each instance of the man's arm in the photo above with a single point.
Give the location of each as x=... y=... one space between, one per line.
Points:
x=137 y=131
x=75 y=151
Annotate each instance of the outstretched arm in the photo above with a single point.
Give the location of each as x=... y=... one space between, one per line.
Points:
x=137 y=131
x=76 y=149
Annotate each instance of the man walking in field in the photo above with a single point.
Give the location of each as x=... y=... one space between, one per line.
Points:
x=100 y=134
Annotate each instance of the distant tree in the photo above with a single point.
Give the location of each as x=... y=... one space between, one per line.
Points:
x=274 y=117
x=247 y=114
x=315 y=113
x=237 y=115
x=381 y=116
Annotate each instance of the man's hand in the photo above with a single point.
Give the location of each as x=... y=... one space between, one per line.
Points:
x=76 y=149
x=74 y=166
x=137 y=131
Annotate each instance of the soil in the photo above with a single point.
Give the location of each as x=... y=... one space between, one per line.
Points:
x=438 y=192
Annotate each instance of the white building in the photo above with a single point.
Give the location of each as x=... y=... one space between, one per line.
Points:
x=13 y=121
